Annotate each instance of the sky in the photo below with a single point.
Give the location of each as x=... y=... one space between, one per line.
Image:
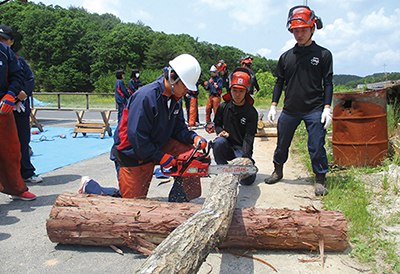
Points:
x=363 y=35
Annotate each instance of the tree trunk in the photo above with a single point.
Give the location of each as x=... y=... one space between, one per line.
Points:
x=142 y=224
x=100 y=220
x=187 y=247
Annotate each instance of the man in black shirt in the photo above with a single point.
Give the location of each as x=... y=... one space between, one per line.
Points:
x=236 y=123
x=246 y=62
x=302 y=70
x=223 y=70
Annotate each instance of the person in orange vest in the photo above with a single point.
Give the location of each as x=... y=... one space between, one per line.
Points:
x=214 y=85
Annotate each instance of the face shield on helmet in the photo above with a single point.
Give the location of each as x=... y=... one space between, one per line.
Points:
x=248 y=60
x=301 y=17
x=221 y=65
x=240 y=78
x=187 y=69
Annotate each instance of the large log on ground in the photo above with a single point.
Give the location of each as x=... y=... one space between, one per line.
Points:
x=100 y=220
x=187 y=247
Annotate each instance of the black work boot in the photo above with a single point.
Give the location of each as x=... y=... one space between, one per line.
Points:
x=320 y=188
x=276 y=175
x=177 y=193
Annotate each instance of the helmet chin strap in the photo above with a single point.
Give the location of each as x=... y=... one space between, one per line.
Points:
x=170 y=80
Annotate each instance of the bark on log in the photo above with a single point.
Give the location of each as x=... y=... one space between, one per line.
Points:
x=187 y=247
x=267 y=132
x=100 y=220
x=141 y=224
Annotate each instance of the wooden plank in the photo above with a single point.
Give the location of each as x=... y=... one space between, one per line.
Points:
x=34 y=121
x=89 y=130
x=89 y=125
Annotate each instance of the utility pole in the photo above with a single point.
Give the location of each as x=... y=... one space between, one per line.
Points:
x=305 y=3
x=384 y=70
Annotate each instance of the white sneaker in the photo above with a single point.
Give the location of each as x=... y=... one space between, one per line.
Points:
x=84 y=181
x=34 y=179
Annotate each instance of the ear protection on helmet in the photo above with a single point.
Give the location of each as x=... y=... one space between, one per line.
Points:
x=241 y=82
x=221 y=65
x=296 y=14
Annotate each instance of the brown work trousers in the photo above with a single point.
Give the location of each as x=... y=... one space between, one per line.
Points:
x=134 y=182
x=11 y=181
x=212 y=104
x=193 y=112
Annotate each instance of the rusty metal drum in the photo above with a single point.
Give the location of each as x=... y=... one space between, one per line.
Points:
x=359 y=136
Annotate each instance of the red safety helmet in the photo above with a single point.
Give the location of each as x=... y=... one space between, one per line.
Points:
x=210 y=127
x=240 y=78
x=246 y=60
x=301 y=17
x=221 y=65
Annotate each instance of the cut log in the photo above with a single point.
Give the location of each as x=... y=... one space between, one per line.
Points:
x=187 y=247
x=267 y=132
x=100 y=220
x=191 y=232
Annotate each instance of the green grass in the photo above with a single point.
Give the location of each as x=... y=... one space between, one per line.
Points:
x=78 y=101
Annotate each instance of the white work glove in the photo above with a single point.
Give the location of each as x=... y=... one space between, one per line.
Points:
x=19 y=107
x=272 y=114
x=326 y=117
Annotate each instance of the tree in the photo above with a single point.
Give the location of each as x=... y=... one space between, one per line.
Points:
x=266 y=81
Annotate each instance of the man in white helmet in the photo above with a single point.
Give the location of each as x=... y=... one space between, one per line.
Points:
x=214 y=85
x=152 y=131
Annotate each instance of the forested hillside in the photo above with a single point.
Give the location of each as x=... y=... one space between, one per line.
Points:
x=73 y=50
x=351 y=81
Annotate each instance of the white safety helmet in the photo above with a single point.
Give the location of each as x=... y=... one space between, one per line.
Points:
x=213 y=68
x=188 y=70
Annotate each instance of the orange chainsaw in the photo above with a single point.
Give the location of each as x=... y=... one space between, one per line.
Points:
x=195 y=163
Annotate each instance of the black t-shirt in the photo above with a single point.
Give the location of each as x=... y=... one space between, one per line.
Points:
x=225 y=81
x=303 y=70
x=241 y=124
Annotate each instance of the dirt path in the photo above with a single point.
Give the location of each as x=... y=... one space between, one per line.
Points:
x=295 y=191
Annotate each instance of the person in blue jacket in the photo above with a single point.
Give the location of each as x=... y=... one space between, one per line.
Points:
x=121 y=93
x=153 y=131
x=11 y=82
x=214 y=85
x=134 y=83
x=22 y=112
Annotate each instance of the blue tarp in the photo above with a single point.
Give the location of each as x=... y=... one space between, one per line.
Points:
x=55 y=147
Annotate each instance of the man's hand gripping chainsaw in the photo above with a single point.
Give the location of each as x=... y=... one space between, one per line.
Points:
x=194 y=163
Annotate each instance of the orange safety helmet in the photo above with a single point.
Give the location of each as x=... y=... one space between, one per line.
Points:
x=240 y=78
x=301 y=17
x=246 y=59
x=221 y=65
